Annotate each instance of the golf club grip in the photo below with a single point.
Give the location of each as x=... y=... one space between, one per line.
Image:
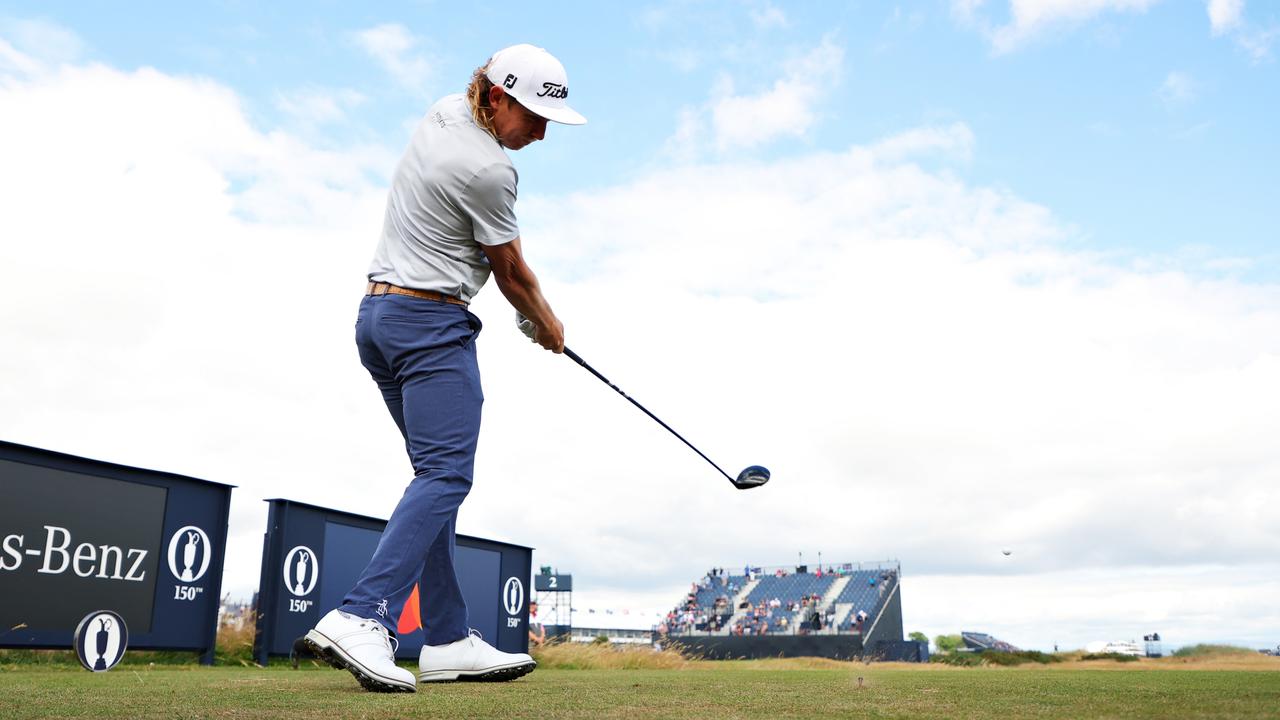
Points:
x=576 y=358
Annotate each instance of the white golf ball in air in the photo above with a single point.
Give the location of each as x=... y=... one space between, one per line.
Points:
x=1007 y=552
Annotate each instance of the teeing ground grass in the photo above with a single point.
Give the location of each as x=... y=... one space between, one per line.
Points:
x=1229 y=688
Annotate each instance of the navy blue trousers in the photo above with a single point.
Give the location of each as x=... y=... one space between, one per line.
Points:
x=422 y=355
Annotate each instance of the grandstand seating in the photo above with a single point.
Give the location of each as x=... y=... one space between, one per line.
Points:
x=867 y=591
x=864 y=593
x=719 y=586
x=790 y=587
x=839 y=596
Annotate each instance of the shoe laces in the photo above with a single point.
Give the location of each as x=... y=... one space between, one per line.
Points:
x=392 y=642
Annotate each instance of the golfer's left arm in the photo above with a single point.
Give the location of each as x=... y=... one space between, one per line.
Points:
x=520 y=286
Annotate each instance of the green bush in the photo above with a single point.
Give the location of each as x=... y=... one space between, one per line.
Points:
x=995 y=657
x=947 y=643
x=1204 y=649
x=1118 y=657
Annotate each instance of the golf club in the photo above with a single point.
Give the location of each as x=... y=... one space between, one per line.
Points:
x=754 y=476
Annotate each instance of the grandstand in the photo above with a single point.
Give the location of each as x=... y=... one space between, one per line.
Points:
x=979 y=642
x=858 y=602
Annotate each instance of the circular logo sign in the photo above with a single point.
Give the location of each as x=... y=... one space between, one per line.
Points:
x=513 y=596
x=101 y=639
x=189 y=554
x=301 y=570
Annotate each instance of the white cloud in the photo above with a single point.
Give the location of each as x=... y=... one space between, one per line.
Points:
x=768 y=16
x=1073 y=608
x=1028 y=20
x=909 y=353
x=1225 y=15
x=1257 y=42
x=16 y=62
x=1031 y=19
x=1226 y=18
x=168 y=221
x=955 y=140
x=966 y=12
x=732 y=121
x=396 y=50
x=882 y=335
x=40 y=39
x=313 y=106
x=1178 y=88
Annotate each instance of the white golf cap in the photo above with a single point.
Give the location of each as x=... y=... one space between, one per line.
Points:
x=536 y=79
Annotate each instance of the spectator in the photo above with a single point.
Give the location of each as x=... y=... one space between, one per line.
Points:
x=537 y=633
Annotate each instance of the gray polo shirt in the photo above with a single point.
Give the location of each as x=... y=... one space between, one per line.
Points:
x=453 y=191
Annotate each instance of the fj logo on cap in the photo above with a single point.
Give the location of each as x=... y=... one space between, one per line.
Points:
x=510 y=82
x=554 y=90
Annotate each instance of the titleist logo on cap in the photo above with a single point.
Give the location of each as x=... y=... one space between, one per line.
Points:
x=554 y=90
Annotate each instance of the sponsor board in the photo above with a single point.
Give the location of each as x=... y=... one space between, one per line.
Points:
x=79 y=534
x=313 y=556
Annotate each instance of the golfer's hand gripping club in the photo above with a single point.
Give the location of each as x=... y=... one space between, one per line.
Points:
x=527 y=327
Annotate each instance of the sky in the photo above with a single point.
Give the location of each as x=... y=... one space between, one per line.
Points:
x=966 y=276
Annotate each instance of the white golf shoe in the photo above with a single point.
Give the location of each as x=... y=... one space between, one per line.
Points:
x=362 y=646
x=471 y=658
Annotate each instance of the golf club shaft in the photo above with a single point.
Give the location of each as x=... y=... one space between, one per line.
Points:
x=574 y=357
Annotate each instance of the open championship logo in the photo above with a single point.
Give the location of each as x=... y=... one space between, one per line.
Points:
x=101 y=639
x=187 y=546
x=301 y=570
x=513 y=595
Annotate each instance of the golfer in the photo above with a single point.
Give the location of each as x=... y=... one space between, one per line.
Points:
x=449 y=223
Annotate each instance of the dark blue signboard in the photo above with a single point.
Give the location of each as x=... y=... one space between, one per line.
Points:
x=313 y=555
x=79 y=535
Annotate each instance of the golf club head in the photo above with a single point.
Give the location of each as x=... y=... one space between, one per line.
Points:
x=754 y=476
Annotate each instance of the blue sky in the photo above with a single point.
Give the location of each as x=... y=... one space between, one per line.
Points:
x=1143 y=130
x=1006 y=259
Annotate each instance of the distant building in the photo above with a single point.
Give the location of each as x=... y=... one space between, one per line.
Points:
x=1114 y=647
x=619 y=627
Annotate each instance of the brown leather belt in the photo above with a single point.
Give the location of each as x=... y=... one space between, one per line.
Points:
x=381 y=288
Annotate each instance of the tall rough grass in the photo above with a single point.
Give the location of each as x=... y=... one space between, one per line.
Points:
x=235 y=639
x=1211 y=650
x=604 y=656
